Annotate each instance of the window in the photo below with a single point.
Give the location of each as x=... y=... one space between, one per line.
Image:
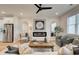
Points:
x=73 y=24
x=78 y=24
x=53 y=25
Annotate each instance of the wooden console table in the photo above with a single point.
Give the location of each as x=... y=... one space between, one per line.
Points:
x=41 y=45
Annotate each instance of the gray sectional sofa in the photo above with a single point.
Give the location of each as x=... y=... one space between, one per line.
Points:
x=66 y=39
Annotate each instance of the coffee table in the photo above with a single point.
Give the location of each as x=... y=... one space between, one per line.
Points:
x=41 y=45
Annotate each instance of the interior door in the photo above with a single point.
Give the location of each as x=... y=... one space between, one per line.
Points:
x=8 y=33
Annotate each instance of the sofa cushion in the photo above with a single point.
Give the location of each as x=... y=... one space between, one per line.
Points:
x=75 y=41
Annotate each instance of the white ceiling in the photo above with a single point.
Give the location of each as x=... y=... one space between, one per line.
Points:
x=29 y=10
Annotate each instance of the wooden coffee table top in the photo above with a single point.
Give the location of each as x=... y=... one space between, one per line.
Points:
x=40 y=45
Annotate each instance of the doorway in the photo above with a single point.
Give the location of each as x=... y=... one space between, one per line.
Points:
x=8 y=33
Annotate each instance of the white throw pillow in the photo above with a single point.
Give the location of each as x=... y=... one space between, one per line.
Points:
x=65 y=51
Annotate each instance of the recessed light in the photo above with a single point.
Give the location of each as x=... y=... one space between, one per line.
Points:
x=21 y=14
x=3 y=12
x=56 y=13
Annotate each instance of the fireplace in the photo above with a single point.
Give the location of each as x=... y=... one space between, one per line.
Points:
x=39 y=34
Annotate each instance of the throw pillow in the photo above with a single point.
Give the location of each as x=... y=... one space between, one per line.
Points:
x=65 y=51
x=75 y=41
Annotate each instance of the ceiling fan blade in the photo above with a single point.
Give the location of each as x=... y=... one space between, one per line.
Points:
x=36 y=5
x=46 y=8
x=38 y=11
x=41 y=8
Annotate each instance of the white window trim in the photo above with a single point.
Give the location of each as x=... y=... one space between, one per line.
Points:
x=76 y=24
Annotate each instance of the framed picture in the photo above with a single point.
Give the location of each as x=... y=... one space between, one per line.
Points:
x=39 y=25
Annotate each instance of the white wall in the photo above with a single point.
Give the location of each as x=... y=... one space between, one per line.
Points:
x=13 y=20
x=48 y=26
x=18 y=23
x=64 y=17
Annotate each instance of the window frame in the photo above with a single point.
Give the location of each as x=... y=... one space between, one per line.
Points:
x=76 y=24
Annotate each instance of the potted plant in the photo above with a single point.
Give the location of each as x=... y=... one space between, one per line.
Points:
x=58 y=29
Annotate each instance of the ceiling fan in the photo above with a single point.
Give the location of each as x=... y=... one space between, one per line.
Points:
x=41 y=8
